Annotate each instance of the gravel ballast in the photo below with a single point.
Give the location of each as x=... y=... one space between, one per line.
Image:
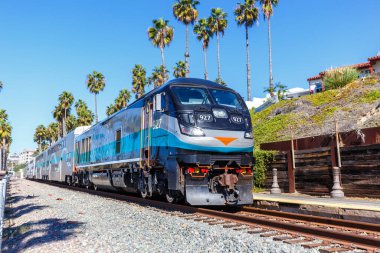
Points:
x=43 y=218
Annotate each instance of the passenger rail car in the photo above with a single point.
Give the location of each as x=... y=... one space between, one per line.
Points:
x=189 y=139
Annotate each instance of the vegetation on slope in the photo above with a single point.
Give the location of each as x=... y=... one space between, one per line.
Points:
x=355 y=106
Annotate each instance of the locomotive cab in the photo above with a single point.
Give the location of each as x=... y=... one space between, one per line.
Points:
x=211 y=139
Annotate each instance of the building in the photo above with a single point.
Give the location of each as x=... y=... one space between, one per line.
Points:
x=370 y=67
x=26 y=156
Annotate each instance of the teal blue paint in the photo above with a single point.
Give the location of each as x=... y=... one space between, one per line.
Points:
x=160 y=138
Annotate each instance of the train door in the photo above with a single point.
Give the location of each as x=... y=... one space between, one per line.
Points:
x=159 y=127
x=146 y=133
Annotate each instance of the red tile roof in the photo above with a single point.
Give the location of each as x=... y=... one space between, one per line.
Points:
x=361 y=65
x=374 y=58
x=314 y=78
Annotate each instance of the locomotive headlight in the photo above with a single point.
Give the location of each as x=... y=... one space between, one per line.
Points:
x=248 y=135
x=220 y=113
x=191 y=131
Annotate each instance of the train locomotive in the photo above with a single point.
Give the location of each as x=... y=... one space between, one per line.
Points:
x=190 y=139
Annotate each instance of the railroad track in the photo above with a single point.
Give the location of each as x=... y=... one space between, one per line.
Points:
x=328 y=234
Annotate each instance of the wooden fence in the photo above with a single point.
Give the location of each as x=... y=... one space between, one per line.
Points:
x=312 y=173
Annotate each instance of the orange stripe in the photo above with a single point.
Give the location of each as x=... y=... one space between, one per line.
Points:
x=225 y=140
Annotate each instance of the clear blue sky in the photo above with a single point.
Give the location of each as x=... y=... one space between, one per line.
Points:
x=50 y=46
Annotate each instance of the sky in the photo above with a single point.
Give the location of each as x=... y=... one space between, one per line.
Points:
x=47 y=47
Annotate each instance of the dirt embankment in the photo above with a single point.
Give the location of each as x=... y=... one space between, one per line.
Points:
x=353 y=107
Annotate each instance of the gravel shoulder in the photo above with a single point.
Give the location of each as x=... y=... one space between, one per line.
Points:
x=43 y=218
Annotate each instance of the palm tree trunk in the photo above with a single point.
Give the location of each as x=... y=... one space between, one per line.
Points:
x=64 y=125
x=205 y=62
x=3 y=160
x=270 y=59
x=96 y=110
x=162 y=56
x=187 y=55
x=218 y=55
x=248 y=66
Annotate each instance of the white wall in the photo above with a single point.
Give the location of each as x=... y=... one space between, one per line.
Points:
x=376 y=67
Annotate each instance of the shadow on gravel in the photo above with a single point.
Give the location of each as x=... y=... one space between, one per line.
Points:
x=29 y=234
x=15 y=199
x=15 y=212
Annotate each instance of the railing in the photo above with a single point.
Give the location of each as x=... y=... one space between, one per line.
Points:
x=3 y=193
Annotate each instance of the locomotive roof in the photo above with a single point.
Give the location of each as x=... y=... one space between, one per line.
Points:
x=191 y=81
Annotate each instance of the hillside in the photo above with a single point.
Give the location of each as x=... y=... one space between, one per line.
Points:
x=355 y=106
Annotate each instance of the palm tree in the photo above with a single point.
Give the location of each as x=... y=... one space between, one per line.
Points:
x=5 y=136
x=40 y=136
x=85 y=116
x=267 y=7
x=3 y=115
x=52 y=132
x=71 y=123
x=161 y=34
x=185 y=11
x=95 y=83
x=203 y=32
x=139 y=80
x=66 y=99
x=281 y=90
x=58 y=116
x=247 y=14
x=158 y=77
x=122 y=100
x=179 y=69
x=217 y=23
x=111 y=109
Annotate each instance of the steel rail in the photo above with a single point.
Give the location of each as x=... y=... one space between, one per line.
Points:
x=346 y=238
x=316 y=219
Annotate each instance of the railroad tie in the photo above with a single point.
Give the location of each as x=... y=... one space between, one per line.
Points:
x=271 y=234
x=297 y=241
x=232 y=225
x=315 y=245
x=335 y=249
x=282 y=238
x=257 y=231
x=212 y=223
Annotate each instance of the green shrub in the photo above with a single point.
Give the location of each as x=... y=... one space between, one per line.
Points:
x=370 y=96
x=322 y=98
x=268 y=130
x=371 y=80
x=263 y=159
x=339 y=77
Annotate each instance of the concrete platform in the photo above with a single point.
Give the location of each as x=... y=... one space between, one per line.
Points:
x=367 y=210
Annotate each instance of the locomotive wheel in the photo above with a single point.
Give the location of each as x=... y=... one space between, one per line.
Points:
x=170 y=198
x=144 y=195
x=95 y=187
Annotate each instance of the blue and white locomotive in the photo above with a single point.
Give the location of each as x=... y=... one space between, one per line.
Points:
x=190 y=140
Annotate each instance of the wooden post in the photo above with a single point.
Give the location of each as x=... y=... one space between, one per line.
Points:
x=291 y=176
x=293 y=157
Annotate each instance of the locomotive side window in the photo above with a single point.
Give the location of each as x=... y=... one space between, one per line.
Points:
x=83 y=151
x=89 y=149
x=118 y=141
x=78 y=151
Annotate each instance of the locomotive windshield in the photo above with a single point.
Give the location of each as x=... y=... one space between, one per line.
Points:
x=191 y=95
x=226 y=98
x=202 y=96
